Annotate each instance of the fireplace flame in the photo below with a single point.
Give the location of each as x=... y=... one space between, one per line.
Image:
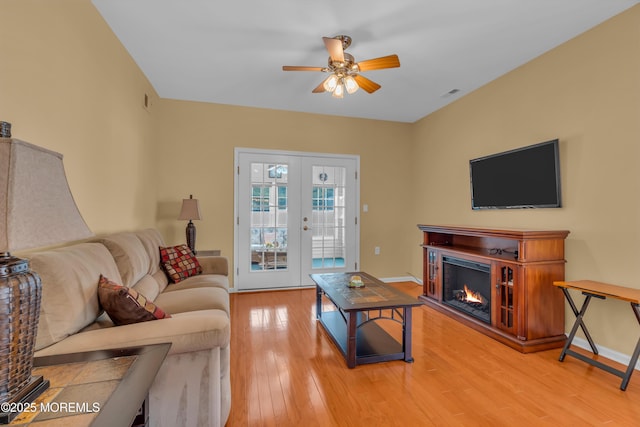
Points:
x=471 y=296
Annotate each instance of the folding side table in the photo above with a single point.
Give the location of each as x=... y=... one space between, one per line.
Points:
x=591 y=289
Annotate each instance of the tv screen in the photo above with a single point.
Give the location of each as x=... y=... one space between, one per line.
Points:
x=527 y=177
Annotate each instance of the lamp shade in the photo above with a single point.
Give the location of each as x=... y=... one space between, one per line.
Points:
x=190 y=209
x=36 y=205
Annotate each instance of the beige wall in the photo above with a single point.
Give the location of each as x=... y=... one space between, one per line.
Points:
x=197 y=144
x=586 y=93
x=67 y=84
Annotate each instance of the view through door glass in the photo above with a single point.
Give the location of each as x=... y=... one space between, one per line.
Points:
x=269 y=219
x=328 y=248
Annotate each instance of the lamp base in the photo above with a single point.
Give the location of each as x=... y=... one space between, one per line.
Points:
x=191 y=236
x=26 y=395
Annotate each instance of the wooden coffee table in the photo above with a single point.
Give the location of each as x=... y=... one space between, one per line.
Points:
x=354 y=326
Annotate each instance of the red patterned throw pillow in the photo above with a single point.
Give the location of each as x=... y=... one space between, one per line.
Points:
x=179 y=262
x=125 y=305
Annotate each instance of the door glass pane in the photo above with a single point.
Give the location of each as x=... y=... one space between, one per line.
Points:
x=269 y=221
x=328 y=217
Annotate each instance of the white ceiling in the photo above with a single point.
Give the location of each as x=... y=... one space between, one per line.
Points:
x=232 y=52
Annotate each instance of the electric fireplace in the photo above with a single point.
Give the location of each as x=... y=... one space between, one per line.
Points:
x=509 y=275
x=466 y=287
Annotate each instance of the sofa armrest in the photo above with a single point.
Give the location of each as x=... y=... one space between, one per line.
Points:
x=187 y=332
x=214 y=265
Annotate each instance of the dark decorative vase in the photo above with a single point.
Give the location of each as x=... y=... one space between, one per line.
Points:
x=5 y=130
x=20 y=295
x=191 y=237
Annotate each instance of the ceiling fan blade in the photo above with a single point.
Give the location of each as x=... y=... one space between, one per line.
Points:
x=391 y=61
x=334 y=47
x=296 y=68
x=320 y=88
x=366 y=84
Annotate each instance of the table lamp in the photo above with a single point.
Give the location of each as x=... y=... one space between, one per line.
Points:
x=36 y=210
x=190 y=211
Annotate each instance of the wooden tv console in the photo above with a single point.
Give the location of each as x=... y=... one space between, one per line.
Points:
x=527 y=311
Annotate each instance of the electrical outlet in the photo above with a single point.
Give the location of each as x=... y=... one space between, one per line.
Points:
x=376 y=250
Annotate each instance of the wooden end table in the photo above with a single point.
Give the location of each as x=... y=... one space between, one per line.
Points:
x=96 y=388
x=591 y=289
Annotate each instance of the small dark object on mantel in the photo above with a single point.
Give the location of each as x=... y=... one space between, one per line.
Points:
x=5 y=129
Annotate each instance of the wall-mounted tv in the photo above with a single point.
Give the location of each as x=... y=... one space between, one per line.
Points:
x=527 y=177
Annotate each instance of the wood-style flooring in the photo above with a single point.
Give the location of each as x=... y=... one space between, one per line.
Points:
x=285 y=371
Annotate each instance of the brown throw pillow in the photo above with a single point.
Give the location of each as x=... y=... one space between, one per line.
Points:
x=125 y=305
x=179 y=262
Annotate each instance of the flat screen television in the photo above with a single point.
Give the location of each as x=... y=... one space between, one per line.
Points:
x=527 y=177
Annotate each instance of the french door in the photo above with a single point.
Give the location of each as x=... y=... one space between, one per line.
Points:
x=296 y=214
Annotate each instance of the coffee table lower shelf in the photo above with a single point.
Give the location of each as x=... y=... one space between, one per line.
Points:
x=373 y=344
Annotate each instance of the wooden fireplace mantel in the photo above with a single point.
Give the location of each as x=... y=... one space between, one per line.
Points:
x=527 y=311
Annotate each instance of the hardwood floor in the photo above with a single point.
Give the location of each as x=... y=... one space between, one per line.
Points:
x=285 y=371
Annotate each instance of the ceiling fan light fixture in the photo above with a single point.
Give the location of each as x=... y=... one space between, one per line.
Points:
x=330 y=83
x=350 y=84
x=338 y=92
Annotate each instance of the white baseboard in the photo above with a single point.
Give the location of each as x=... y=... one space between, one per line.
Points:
x=401 y=279
x=290 y=288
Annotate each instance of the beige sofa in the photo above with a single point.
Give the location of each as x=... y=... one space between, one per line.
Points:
x=192 y=387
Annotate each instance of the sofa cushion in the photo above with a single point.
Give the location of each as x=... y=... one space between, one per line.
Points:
x=179 y=262
x=69 y=288
x=151 y=240
x=130 y=256
x=194 y=299
x=201 y=281
x=187 y=332
x=161 y=279
x=125 y=306
x=148 y=286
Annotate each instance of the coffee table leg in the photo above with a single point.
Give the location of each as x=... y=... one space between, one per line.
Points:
x=352 y=320
x=318 y=302
x=406 y=334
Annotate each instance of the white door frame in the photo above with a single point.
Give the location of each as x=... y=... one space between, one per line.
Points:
x=236 y=213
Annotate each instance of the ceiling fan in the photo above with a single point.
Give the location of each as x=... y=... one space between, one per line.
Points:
x=345 y=71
